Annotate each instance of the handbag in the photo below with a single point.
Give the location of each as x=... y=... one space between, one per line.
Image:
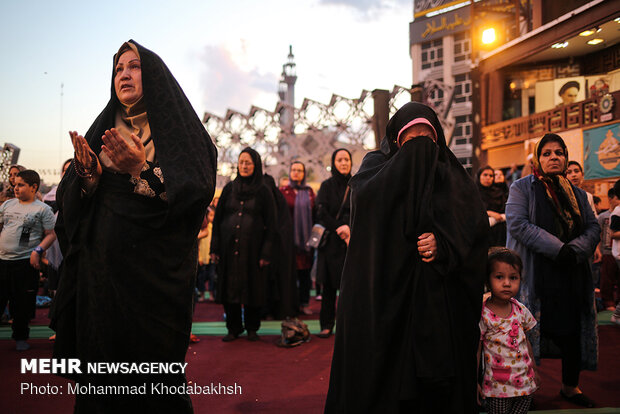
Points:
x=319 y=234
x=294 y=333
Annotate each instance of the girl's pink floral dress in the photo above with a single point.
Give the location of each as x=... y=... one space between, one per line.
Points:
x=508 y=368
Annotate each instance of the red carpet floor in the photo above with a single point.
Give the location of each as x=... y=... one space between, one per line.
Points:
x=276 y=380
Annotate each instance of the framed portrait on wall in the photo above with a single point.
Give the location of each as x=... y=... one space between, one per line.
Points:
x=569 y=90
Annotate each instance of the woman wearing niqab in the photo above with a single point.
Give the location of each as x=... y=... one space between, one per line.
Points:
x=411 y=290
x=129 y=213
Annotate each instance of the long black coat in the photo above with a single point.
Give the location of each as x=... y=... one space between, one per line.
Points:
x=331 y=256
x=243 y=233
x=284 y=296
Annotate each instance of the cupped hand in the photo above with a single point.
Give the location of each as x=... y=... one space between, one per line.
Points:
x=127 y=159
x=83 y=154
x=427 y=247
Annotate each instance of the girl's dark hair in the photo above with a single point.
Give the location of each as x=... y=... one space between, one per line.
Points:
x=30 y=177
x=503 y=255
x=575 y=163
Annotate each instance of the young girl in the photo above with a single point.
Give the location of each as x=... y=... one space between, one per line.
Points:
x=509 y=371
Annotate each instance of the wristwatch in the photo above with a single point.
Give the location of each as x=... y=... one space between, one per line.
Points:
x=39 y=250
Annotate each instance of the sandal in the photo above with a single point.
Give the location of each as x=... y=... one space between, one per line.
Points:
x=578 y=399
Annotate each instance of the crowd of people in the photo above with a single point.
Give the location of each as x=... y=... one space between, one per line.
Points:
x=132 y=244
x=260 y=244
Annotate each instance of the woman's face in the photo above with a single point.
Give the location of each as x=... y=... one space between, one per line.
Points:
x=297 y=172
x=574 y=175
x=499 y=176
x=552 y=158
x=486 y=178
x=128 y=78
x=342 y=161
x=414 y=131
x=246 y=165
x=13 y=175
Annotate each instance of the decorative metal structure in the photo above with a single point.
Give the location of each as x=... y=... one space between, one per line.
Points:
x=8 y=156
x=311 y=132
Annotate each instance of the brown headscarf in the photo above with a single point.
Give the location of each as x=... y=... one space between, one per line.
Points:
x=557 y=187
x=131 y=119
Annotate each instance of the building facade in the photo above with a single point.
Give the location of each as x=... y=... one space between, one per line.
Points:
x=563 y=76
x=440 y=48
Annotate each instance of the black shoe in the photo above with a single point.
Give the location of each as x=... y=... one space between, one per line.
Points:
x=253 y=336
x=324 y=334
x=578 y=399
x=230 y=337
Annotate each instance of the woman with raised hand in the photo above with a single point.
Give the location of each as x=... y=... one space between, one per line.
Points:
x=130 y=208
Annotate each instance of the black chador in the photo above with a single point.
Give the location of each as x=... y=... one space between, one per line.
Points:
x=283 y=275
x=128 y=276
x=407 y=331
x=243 y=233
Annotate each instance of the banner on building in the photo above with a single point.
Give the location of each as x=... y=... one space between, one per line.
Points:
x=601 y=152
x=422 y=7
x=441 y=25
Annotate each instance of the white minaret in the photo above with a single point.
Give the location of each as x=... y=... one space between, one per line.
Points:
x=286 y=88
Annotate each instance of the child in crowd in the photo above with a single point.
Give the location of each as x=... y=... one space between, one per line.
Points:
x=509 y=370
x=26 y=231
x=609 y=271
x=206 y=269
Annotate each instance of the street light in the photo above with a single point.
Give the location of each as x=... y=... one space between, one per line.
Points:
x=488 y=36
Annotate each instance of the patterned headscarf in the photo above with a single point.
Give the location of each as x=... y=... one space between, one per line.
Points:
x=557 y=187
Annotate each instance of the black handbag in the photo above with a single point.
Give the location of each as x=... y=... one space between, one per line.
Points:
x=319 y=234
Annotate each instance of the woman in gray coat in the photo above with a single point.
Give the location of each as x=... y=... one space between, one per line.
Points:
x=552 y=227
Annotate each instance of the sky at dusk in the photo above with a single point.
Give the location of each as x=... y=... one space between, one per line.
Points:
x=224 y=54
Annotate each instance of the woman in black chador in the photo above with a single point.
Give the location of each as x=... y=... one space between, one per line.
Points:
x=129 y=210
x=333 y=214
x=284 y=300
x=411 y=289
x=494 y=196
x=243 y=232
